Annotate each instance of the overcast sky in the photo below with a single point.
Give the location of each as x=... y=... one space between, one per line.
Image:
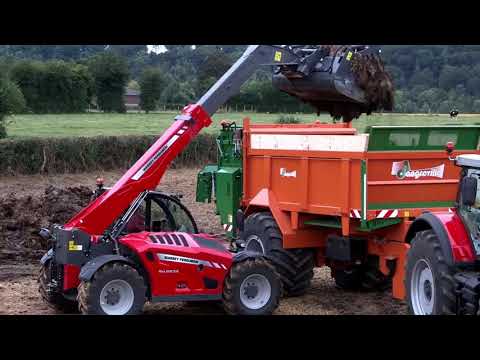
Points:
x=156 y=48
x=159 y=48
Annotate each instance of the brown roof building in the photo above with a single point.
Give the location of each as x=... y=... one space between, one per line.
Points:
x=132 y=99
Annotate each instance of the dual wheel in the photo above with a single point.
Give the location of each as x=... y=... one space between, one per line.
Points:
x=252 y=287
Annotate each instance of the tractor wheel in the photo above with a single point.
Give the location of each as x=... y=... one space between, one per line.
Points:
x=116 y=289
x=429 y=281
x=347 y=279
x=252 y=287
x=53 y=299
x=295 y=266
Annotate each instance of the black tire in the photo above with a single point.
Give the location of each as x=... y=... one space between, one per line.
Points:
x=375 y=280
x=295 y=266
x=365 y=276
x=89 y=292
x=348 y=279
x=426 y=248
x=54 y=300
x=232 y=299
x=470 y=304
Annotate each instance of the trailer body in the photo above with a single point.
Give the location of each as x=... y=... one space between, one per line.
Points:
x=326 y=186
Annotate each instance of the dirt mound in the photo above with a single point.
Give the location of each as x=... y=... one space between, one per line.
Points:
x=21 y=217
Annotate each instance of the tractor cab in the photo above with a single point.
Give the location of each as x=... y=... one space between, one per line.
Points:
x=469 y=195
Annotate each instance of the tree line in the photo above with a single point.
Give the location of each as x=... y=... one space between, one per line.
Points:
x=435 y=78
x=69 y=78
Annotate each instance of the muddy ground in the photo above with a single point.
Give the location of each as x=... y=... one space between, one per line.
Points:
x=29 y=202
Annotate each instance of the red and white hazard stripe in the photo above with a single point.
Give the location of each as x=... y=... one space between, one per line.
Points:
x=387 y=214
x=355 y=214
x=218 y=265
x=227 y=227
x=182 y=130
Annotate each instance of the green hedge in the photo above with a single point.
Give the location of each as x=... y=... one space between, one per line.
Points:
x=73 y=155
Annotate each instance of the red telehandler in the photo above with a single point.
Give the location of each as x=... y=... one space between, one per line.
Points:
x=132 y=244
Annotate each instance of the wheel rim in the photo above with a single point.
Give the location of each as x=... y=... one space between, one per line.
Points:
x=255 y=291
x=116 y=297
x=422 y=288
x=254 y=244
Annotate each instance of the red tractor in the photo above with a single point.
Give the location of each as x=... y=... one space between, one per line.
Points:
x=132 y=244
x=442 y=271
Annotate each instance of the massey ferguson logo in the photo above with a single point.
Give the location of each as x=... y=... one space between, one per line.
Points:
x=402 y=170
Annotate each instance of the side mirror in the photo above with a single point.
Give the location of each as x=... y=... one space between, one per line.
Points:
x=45 y=234
x=468 y=191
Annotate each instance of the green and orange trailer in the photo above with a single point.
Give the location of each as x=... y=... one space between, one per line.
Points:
x=313 y=195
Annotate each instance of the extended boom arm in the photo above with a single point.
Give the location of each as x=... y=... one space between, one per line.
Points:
x=147 y=172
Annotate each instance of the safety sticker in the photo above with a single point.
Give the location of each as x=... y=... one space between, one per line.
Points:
x=349 y=56
x=278 y=56
x=73 y=247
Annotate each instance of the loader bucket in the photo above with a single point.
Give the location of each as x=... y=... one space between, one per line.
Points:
x=346 y=83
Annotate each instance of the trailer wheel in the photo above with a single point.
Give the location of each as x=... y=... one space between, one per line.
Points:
x=375 y=280
x=347 y=279
x=295 y=266
x=53 y=299
x=429 y=280
x=116 y=289
x=360 y=277
x=252 y=287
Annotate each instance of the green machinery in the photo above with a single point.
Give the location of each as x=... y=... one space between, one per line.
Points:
x=223 y=182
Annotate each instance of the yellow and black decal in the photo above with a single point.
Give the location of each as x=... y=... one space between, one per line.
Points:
x=74 y=247
x=278 y=56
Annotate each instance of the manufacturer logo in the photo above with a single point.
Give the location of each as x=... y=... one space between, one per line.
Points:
x=285 y=173
x=402 y=170
x=190 y=261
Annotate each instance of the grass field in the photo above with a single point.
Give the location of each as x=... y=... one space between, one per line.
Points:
x=94 y=124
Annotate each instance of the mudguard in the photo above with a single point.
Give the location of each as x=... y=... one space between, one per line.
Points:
x=90 y=268
x=47 y=257
x=450 y=230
